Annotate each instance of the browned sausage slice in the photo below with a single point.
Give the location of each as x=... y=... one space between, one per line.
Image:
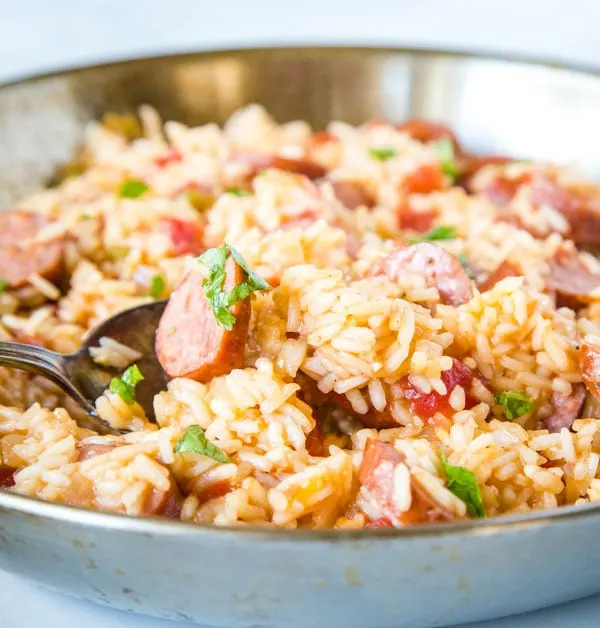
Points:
x=189 y=340
x=21 y=256
x=377 y=478
x=506 y=269
x=569 y=279
x=589 y=363
x=256 y=162
x=426 y=131
x=164 y=503
x=581 y=208
x=440 y=268
x=90 y=450
x=352 y=194
x=567 y=408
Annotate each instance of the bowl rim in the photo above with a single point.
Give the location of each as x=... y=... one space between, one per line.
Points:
x=31 y=507
x=553 y=63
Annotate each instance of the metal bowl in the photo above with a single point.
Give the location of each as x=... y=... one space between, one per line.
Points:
x=422 y=576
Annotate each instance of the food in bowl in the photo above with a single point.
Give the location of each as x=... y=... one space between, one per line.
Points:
x=367 y=327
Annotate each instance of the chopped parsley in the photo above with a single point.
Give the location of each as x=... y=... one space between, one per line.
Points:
x=444 y=149
x=463 y=484
x=515 y=404
x=220 y=301
x=443 y=232
x=383 y=153
x=3 y=286
x=124 y=386
x=194 y=440
x=117 y=253
x=239 y=192
x=157 y=286
x=132 y=188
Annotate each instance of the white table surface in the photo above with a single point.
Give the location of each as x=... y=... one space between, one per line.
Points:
x=37 y=35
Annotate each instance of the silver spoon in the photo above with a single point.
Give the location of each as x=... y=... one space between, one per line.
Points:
x=84 y=380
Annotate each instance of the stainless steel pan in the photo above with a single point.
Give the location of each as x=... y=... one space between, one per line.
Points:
x=423 y=576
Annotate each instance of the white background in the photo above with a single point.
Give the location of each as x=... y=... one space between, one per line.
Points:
x=38 y=35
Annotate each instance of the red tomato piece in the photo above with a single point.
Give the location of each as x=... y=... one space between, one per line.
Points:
x=425 y=405
x=170 y=157
x=186 y=236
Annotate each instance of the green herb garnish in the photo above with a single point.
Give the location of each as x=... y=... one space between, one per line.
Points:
x=443 y=232
x=444 y=149
x=220 y=301
x=194 y=440
x=239 y=192
x=515 y=404
x=3 y=286
x=383 y=153
x=117 y=253
x=132 y=188
x=124 y=386
x=157 y=286
x=463 y=484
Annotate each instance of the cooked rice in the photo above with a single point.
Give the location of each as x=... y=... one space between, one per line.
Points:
x=327 y=331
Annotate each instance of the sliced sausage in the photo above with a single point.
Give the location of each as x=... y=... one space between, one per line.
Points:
x=589 y=363
x=190 y=342
x=580 y=208
x=352 y=194
x=470 y=165
x=255 y=162
x=425 y=131
x=569 y=279
x=164 y=503
x=567 y=408
x=501 y=190
x=90 y=450
x=506 y=269
x=440 y=269
x=377 y=478
x=21 y=255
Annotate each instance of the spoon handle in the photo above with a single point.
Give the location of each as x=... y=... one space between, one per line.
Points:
x=43 y=362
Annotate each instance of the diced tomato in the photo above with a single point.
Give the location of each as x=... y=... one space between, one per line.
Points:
x=425 y=179
x=170 y=157
x=419 y=221
x=320 y=138
x=425 y=405
x=315 y=442
x=186 y=236
x=219 y=489
x=7 y=476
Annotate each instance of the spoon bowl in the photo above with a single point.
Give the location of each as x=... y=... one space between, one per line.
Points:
x=85 y=380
